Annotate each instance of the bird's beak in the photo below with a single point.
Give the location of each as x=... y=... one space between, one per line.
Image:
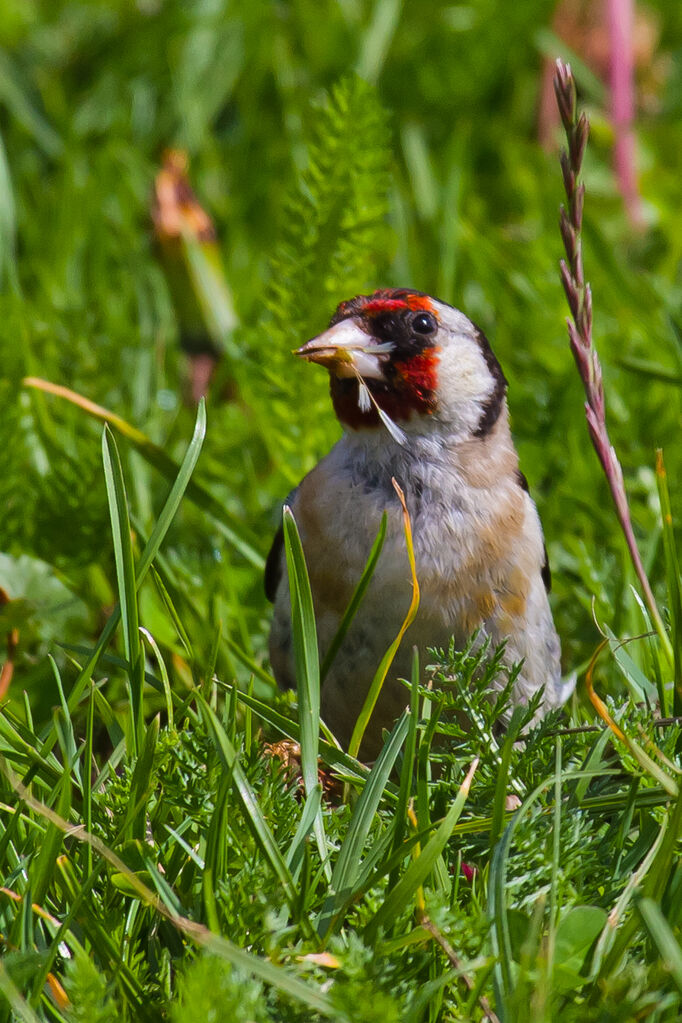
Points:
x=346 y=350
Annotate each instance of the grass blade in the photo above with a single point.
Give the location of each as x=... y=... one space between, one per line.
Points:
x=233 y=530
x=21 y=1010
x=510 y=738
x=125 y=576
x=355 y=600
x=142 y=781
x=349 y=863
x=663 y=938
x=420 y=868
x=556 y=855
x=252 y=812
x=497 y=907
x=150 y=551
x=643 y=758
x=50 y=844
x=294 y=857
x=387 y=659
x=307 y=668
x=407 y=770
x=652 y=370
x=167 y=692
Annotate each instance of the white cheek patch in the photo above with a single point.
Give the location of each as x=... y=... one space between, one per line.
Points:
x=465 y=383
x=465 y=374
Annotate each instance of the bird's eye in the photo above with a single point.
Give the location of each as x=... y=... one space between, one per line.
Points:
x=424 y=323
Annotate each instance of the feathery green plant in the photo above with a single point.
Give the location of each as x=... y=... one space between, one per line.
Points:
x=332 y=240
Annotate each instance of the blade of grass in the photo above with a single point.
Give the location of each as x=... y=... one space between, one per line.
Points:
x=164 y=676
x=653 y=876
x=407 y=770
x=172 y=611
x=639 y=686
x=379 y=861
x=215 y=858
x=510 y=738
x=21 y=1010
x=233 y=530
x=150 y=551
x=253 y=814
x=579 y=297
x=356 y=599
x=420 y=868
x=42 y=868
x=248 y=662
x=663 y=938
x=306 y=657
x=431 y=711
x=87 y=778
x=142 y=781
x=376 y=39
x=70 y=751
x=591 y=761
x=294 y=857
x=500 y=934
x=387 y=659
x=650 y=369
x=210 y=285
x=556 y=855
x=125 y=577
x=349 y=863
x=643 y=758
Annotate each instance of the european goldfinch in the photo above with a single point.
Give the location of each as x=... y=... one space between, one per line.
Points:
x=422 y=400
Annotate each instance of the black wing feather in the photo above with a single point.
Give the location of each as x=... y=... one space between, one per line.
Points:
x=273 y=566
x=545 y=572
x=275 y=560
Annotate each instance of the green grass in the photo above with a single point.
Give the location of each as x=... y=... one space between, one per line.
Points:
x=157 y=859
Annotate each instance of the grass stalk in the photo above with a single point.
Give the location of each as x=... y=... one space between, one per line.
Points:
x=387 y=660
x=579 y=296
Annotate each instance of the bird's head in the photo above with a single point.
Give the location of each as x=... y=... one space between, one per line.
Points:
x=399 y=354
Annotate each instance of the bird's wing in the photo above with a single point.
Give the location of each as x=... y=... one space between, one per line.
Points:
x=274 y=563
x=545 y=570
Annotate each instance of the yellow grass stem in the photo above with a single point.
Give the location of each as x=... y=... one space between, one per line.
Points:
x=387 y=660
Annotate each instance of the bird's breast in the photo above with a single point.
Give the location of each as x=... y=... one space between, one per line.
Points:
x=461 y=543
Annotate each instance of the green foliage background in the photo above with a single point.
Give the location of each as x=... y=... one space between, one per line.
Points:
x=339 y=147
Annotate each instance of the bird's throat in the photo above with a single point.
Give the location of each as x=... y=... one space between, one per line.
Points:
x=409 y=389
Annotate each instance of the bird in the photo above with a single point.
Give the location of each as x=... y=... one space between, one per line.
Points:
x=422 y=400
